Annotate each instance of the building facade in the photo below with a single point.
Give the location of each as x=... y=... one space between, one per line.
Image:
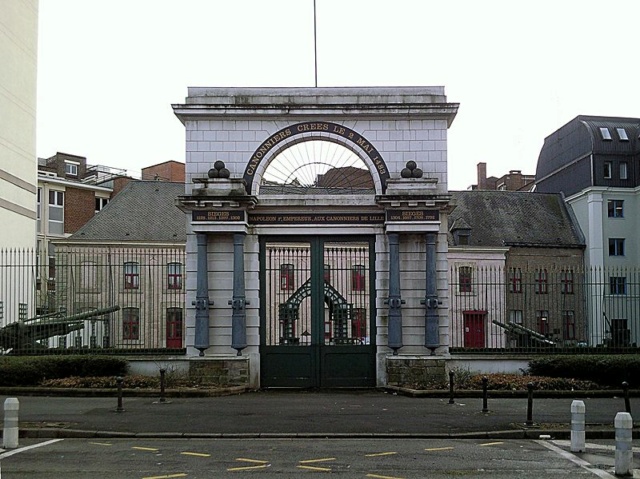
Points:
x=18 y=55
x=316 y=237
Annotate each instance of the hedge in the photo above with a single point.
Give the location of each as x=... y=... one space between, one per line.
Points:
x=606 y=370
x=31 y=371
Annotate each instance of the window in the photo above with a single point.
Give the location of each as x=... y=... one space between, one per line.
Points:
x=616 y=246
x=357 y=277
x=515 y=280
x=617 y=285
x=541 y=281
x=615 y=208
x=174 y=327
x=130 y=323
x=608 y=168
x=623 y=170
x=38 y=210
x=464 y=279
x=287 y=273
x=622 y=134
x=101 y=203
x=543 y=322
x=131 y=275
x=56 y=212
x=566 y=281
x=87 y=275
x=515 y=316
x=606 y=134
x=327 y=273
x=568 y=324
x=174 y=276
x=71 y=168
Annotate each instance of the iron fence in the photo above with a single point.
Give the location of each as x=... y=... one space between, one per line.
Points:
x=497 y=309
x=94 y=300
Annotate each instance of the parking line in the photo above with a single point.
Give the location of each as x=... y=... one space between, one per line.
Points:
x=248 y=468
x=26 y=448
x=311 y=461
x=257 y=461
x=491 y=444
x=170 y=476
x=138 y=448
x=101 y=443
x=576 y=460
x=383 y=477
x=314 y=468
x=432 y=449
x=197 y=454
x=378 y=454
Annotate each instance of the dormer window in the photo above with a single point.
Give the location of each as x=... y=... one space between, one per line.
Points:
x=622 y=134
x=606 y=134
x=71 y=169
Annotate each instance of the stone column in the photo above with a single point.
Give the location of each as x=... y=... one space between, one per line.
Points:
x=395 y=301
x=239 y=314
x=202 y=302
x=431 y=330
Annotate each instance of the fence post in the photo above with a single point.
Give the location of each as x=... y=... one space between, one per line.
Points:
x=119 y=408
x=451 y=400
x=484 y=394
x=624 y=452
x=577 y=426
x=530 y=404
x=11 y=430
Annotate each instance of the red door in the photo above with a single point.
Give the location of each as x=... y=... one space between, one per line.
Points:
x=474 y=327
x=174 y=328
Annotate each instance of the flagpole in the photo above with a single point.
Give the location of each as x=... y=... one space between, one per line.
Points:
x=315 y=45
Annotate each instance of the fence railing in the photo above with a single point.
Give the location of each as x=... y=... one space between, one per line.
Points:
x=539 y=310
x=103 y=299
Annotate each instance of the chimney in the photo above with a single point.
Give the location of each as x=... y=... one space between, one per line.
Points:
x=482 y=176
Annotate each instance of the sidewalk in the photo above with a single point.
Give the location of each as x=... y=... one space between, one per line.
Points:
x=367 y=413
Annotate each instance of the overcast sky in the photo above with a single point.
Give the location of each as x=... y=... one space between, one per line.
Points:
x=110 y=70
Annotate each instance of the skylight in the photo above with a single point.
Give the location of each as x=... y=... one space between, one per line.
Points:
x=606 y=135
x=622 y=133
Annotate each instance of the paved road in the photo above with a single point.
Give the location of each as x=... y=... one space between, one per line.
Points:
x=155 y=458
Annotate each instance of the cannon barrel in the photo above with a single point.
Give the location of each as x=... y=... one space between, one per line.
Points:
x=518 y=329
x=78 y=316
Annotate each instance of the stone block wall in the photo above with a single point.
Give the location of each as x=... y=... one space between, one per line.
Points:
x=222 y=372
x=415 y=371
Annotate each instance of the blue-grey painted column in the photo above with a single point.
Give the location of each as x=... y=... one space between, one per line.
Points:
x=202 y=302
x=431 y=330
x=395 y=301
x=239 y=314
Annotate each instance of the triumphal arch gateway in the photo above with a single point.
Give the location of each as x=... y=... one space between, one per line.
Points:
x=317 y=231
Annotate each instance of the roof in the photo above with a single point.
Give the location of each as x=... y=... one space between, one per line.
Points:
x=515 y=218
x=142 y=211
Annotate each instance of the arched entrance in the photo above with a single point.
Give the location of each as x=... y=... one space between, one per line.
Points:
x=316 y=307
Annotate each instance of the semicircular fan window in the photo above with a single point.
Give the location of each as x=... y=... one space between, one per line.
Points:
x=317 y=167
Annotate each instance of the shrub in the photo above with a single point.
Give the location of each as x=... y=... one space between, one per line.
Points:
x=32 y=370
x=104 y=382
x=606 y=370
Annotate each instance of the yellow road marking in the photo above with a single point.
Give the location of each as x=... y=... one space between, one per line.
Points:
x=197 y=454
x=382 y=477
x=144 y=448
x=312 y=468
x=248 y=468
x=165 y=477
x=380 y=454
x=325 y=459
x=101 y=443
x=491 y=444
x=439 y=448
x=257 y=461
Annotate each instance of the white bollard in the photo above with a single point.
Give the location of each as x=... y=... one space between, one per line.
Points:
x=577 y=426
x=10 y=431
x=624 y=451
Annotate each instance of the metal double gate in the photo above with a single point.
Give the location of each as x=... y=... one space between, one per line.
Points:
x=317 y=313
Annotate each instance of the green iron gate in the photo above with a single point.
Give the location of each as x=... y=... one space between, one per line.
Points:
x=317 y=313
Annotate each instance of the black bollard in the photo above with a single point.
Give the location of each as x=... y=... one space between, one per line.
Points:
x=162 y=373
x=625 y=390
x=484 y=394
x=530 y=405
x=119 y=383
x=451 y=400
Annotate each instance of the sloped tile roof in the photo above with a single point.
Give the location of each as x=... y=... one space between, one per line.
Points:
x=142 y=211
x=515 y=218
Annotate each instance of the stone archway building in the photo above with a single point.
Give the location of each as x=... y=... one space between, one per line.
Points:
x=378 y=237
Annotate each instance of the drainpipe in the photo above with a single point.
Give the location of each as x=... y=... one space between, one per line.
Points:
x=394 y=301
x=202 y=302
x=431 y=333
x=239 y=314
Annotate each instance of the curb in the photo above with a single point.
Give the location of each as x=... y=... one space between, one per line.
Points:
x=506 y=394
x=97 y=392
